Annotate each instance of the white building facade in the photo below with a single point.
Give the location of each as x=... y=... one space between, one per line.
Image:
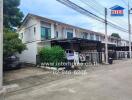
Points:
x=37 y=32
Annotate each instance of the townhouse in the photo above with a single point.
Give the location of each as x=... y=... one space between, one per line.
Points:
x=37 y=32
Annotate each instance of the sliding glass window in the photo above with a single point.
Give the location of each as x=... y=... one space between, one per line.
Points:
x=69 y=35
x=45 y=33
x=91 y=37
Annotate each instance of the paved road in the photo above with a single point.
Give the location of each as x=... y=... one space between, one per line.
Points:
x=113 y=82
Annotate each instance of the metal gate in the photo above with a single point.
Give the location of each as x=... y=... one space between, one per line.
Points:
x=91 y=57
x=122 y=55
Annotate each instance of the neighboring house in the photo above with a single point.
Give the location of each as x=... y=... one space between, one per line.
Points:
x=37 y=32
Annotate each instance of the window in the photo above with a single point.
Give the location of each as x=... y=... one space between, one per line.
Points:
x=56 y=34
x=85 y=35
x=97 y=37
x=102 y=38
x=34 y=30
x=69 y=35
x=92 y=36
x=45 y=33
x=21 y=35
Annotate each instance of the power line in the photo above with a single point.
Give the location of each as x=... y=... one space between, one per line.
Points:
x=90 y=14
x=124 y=3
x=92 y=6
x=117 y=20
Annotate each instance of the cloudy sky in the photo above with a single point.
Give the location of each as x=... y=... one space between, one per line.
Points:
x=57 y=11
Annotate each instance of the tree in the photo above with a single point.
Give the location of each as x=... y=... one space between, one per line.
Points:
x=12 y=44
x=12 y=14
x=12 y=18
x=115 y=35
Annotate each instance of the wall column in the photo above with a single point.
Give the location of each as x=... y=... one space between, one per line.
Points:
x=38 y=30
x=74 y=33
x=52 y=30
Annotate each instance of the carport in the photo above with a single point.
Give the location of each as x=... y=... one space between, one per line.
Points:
x=82 y=46
x=78 y=44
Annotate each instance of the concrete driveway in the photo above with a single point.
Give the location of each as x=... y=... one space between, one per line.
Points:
x=112 y=82
x=26 y=71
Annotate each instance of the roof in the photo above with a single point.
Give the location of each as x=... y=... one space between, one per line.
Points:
x=29 y=15
x=74 y=40
x=116 y=7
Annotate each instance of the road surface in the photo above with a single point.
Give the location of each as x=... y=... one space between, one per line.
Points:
x=113 y=82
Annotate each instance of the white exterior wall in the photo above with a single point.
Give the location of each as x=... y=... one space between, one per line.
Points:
x=74 y=32
x=52 y=30
x=78 y=35
x=20 y=36
x=88 y=36
x=64 y=35
x=28 y=31
x=38 y=30
x=94 y=37
x=29 y=55
x=60 y=31
x=34 y=39
x=30 y=39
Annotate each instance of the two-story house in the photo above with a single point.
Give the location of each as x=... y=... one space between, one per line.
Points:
x=37 y=32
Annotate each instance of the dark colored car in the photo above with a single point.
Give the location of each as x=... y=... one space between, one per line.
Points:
x=11 y=63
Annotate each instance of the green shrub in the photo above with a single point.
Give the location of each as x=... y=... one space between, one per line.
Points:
x=52 y=55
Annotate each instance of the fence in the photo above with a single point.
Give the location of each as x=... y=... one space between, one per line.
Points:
x=91 y=57
x=85 y=59
x=122 y=55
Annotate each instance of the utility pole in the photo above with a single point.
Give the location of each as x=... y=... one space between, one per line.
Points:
x=129 y=29
x=106 y=38
x=1 y=44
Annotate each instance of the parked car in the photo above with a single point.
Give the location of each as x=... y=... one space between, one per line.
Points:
x=11 y=63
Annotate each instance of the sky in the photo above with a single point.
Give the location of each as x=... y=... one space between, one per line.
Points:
x=57 y=11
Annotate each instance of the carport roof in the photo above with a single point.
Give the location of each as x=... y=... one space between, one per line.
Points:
x=75 y=40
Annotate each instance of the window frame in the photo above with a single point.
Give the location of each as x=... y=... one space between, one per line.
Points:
x=91 y=36
x=97 y=38
x=21 y=35
x=69 y=35
x=48 y=34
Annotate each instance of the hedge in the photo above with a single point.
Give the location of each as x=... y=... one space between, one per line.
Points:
x=54 y=54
